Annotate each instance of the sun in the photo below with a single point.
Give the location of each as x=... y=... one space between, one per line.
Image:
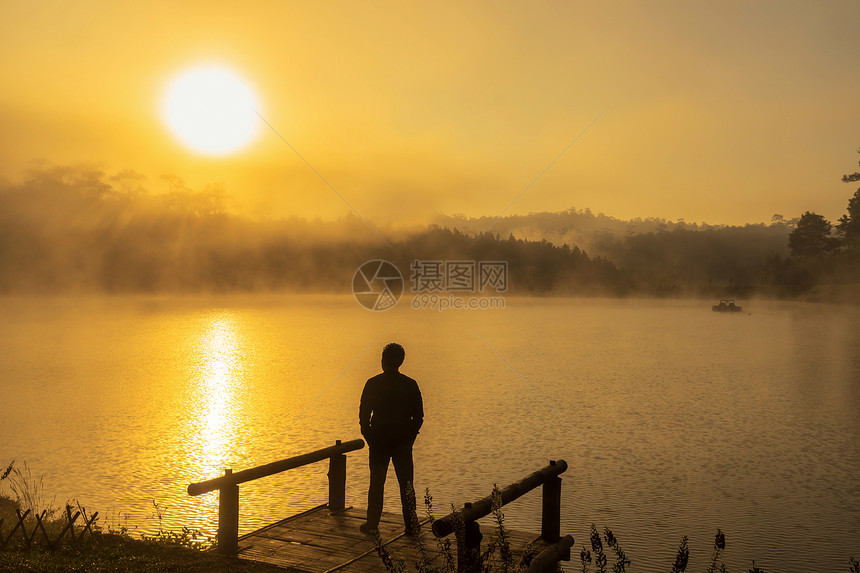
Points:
x=212 y=110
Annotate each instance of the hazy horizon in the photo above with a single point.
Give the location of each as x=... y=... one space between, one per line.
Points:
x=70 y=229
x=130 y=182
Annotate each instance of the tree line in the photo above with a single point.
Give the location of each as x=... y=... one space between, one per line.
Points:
x=72 y=229
x=823 y=257
x=66 y=229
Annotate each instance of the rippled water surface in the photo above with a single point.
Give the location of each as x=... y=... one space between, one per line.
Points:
x=674 y=420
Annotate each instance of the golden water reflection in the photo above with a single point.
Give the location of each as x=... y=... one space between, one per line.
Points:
x=217 y=376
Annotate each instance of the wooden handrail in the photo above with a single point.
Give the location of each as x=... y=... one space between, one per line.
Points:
x=481 y=508
x=464 y=521
x=228 y=486
x=274 y=467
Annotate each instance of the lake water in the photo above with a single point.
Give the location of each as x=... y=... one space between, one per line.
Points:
x=674 y=420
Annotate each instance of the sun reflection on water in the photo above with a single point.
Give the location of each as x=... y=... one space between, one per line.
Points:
x=217 y=376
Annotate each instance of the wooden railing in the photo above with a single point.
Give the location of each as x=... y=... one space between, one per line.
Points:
x=228 y=486
x=469 y=535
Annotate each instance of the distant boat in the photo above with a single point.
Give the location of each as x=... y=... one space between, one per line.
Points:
x=726 y=305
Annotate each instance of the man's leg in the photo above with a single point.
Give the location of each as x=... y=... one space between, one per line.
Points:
x=378 y=468
x=404 y=468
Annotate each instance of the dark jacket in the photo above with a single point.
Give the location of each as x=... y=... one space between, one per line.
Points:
x=391 y=410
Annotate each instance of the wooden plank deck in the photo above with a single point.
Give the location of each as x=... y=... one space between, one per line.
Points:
x=317 y=541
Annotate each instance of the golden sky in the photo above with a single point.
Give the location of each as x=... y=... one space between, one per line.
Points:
x=725 y=112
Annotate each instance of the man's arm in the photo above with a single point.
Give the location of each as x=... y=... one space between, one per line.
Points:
x=365 y=409
x=417 y=410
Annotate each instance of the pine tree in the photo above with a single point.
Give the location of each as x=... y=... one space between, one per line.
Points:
x=849 y=224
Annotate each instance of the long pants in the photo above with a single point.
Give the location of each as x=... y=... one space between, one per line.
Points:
x=380 y=455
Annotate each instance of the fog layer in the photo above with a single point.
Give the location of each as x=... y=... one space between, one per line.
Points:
x=74 y=229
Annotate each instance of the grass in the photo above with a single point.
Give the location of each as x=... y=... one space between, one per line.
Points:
x=109 y=549
x=119 y=552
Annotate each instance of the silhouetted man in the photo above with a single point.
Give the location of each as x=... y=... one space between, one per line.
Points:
x=390 y=414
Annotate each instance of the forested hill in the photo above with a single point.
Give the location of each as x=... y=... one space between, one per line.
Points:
x=656 y=255
x=598 y=233
x=73 y=230
x=804 y=256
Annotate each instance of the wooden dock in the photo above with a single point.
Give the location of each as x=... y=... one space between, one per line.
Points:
x=326 y=538
x=318 y=541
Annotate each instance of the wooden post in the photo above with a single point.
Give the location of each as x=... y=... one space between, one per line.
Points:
x=550 y=526
x=548 y=559
x=337 y=481
x=228 y=516
x=469 y=546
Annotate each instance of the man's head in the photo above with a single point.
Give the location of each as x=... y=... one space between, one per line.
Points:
x=392 y=357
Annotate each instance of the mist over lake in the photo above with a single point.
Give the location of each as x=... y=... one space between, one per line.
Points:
x=675 y=420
